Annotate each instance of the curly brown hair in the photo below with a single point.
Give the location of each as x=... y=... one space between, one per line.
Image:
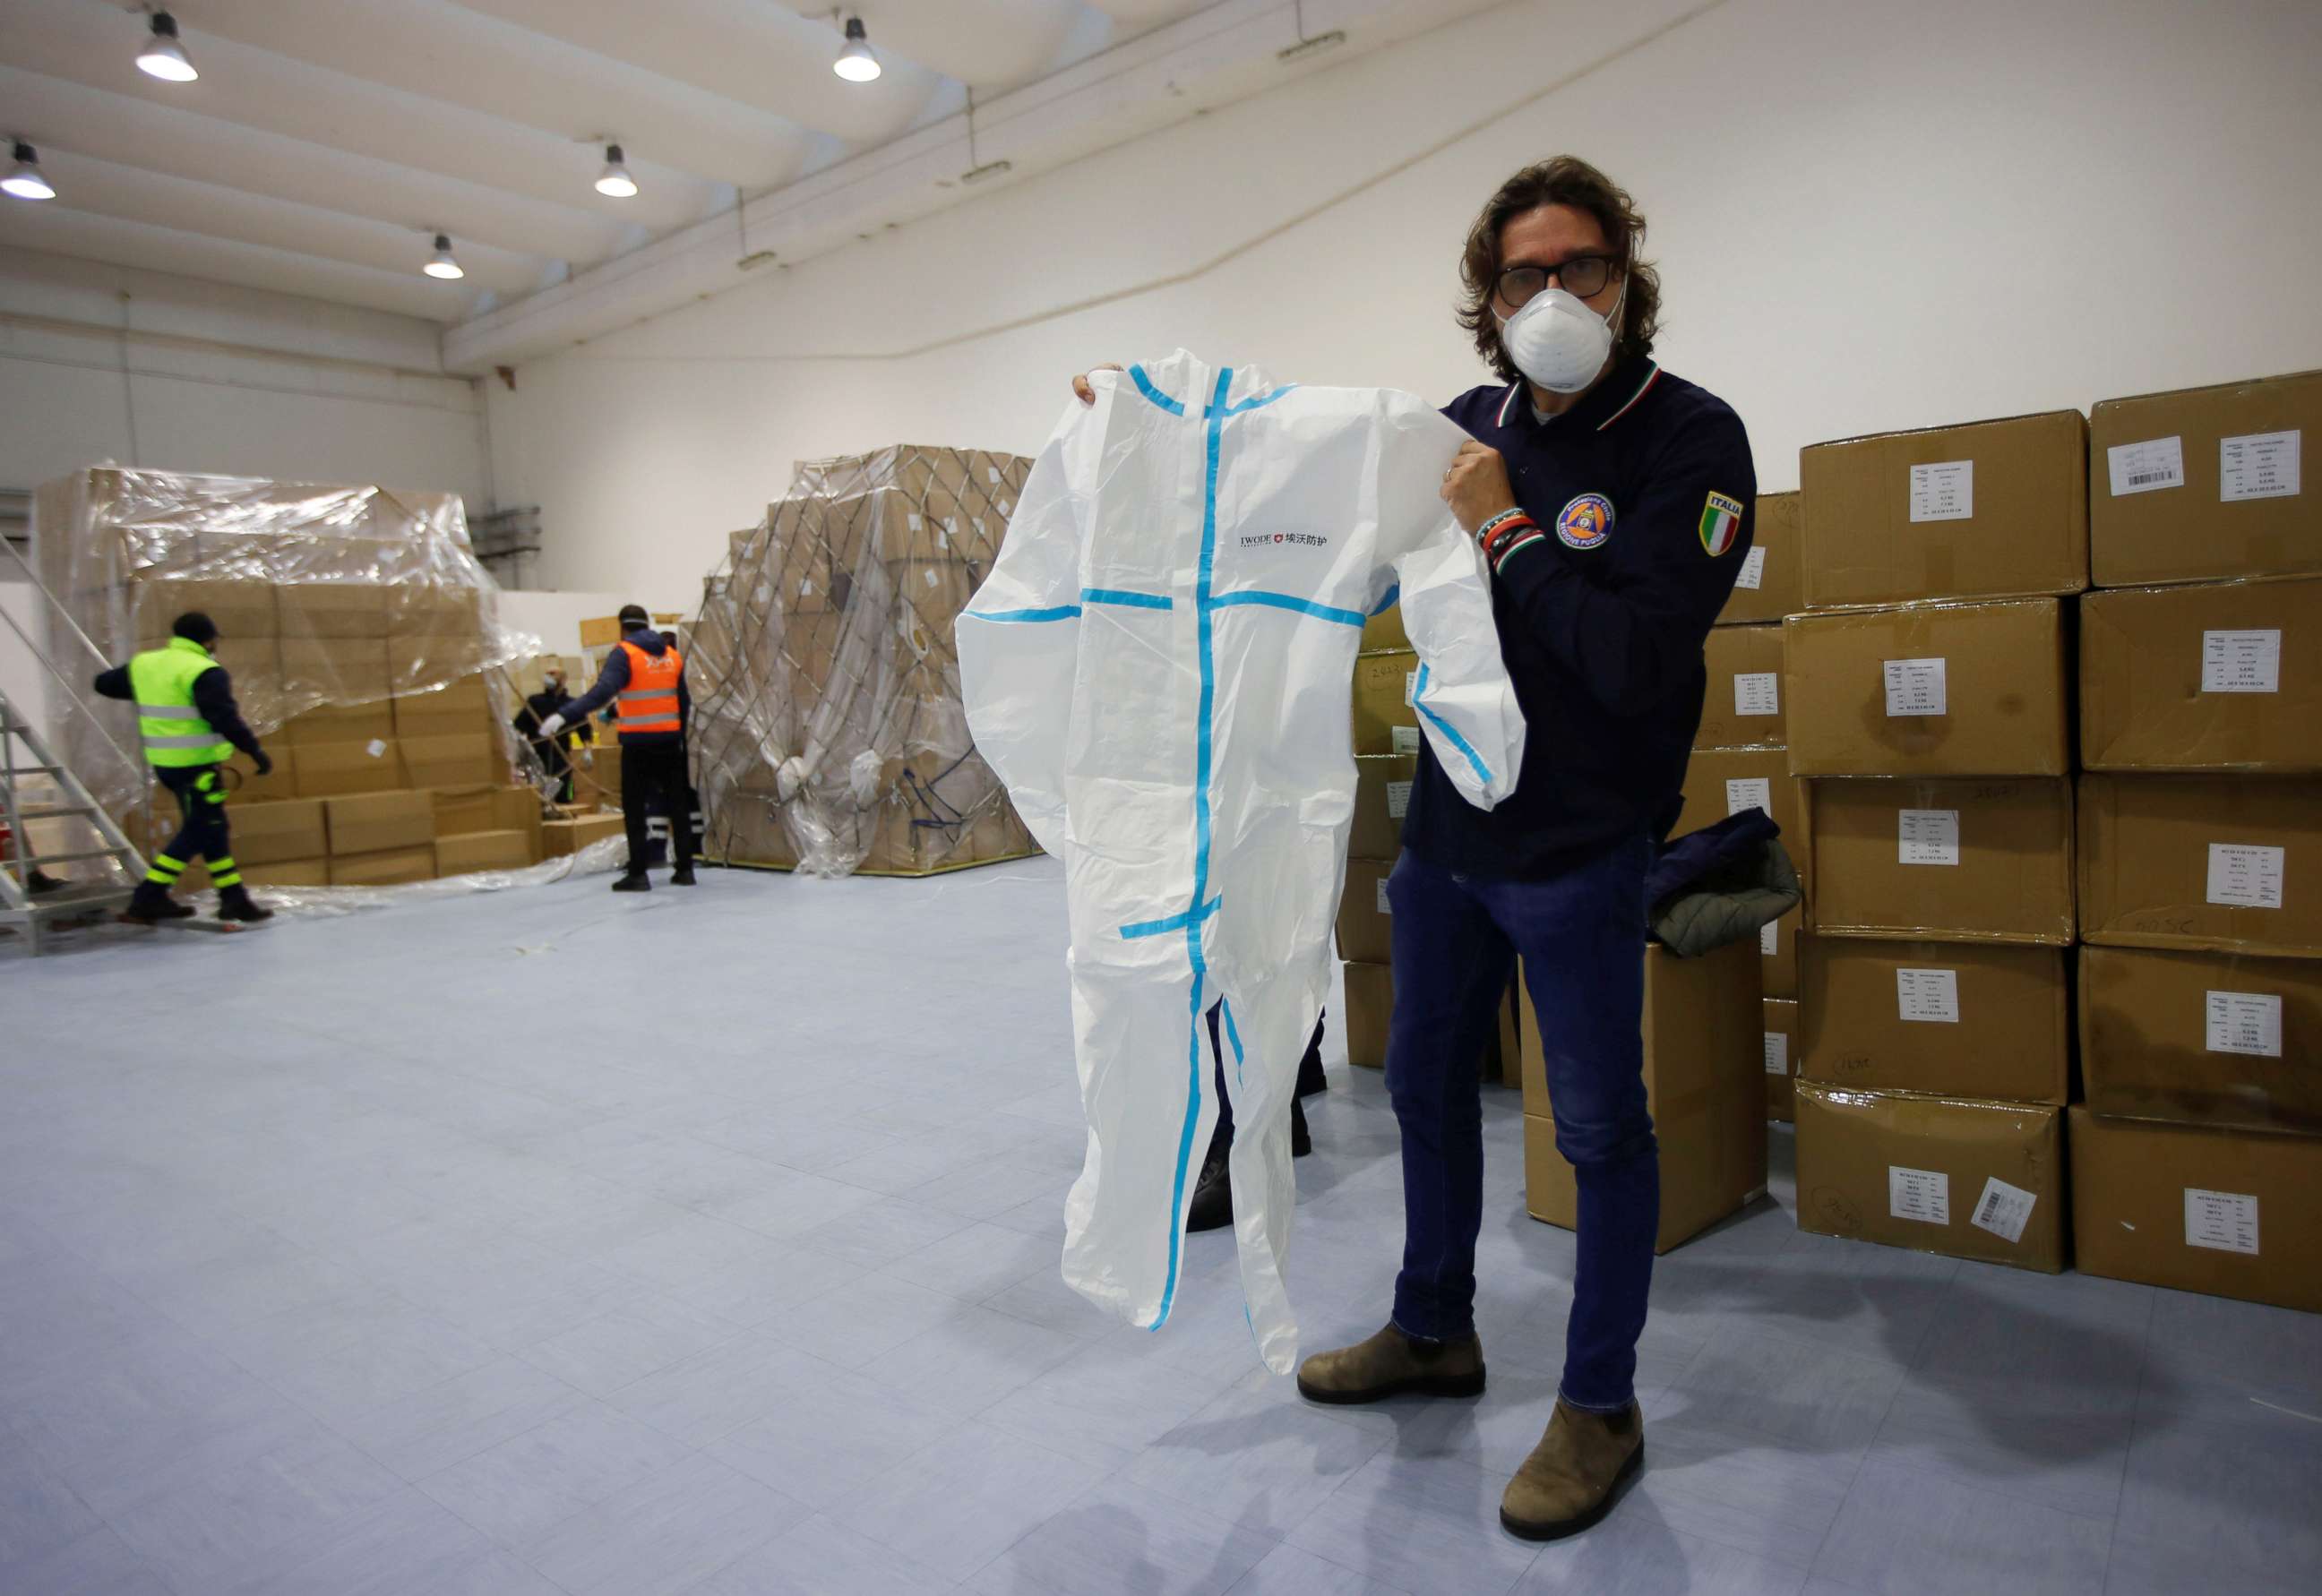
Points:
x=1561 y=180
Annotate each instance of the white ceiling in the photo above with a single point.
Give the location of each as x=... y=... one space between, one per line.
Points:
x=326 y=139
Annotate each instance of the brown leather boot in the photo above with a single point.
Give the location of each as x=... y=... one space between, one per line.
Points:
x=1390 y=1364
x=1574 y=1475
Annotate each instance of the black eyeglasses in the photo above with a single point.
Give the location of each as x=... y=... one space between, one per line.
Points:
x=1581 y=275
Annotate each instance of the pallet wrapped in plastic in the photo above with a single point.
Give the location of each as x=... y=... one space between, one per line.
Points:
x=828 y=734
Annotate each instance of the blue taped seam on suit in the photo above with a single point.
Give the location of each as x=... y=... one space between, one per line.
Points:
x=1305 y=606
x=1233 y=1036
x=1144 y=385
x=1418 y=691
x=1174 y=923
x=1062 y=611
x=1121 y=596
x=1394 y=597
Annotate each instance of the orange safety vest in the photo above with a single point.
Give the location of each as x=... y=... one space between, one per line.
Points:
x=649 y=703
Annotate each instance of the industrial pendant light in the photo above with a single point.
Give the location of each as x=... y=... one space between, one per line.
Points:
x=163 y=57
x=614 y=180
x=23 y=179
x=856 y=63
x=440 y=264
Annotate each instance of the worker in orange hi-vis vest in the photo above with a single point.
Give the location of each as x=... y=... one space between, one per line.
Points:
x=646 y=676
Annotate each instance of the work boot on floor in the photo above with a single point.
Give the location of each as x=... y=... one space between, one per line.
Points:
x=683 y=876
x=1391 y=1364
x=636 y=880
x=235 y=904
x=1302 y=1140
x=1213 y=1206
x=1574 y=1475
x=150 y=904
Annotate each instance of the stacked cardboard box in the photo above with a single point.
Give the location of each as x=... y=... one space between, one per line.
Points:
x=1740 y=761
x=1929 y=713
x=1386 y=762
x=2197 y=1157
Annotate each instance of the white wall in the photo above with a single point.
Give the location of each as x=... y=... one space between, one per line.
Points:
x=1869 y=214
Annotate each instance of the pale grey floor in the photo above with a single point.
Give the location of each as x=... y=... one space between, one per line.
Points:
x=561 y=1243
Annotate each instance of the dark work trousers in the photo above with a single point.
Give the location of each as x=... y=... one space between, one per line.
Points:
x=558 y=761
x=652 y=774
x=202 y=835
x=1310 y=1080
x=1581 y=936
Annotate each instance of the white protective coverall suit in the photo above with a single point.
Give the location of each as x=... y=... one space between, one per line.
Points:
x=1158 y=668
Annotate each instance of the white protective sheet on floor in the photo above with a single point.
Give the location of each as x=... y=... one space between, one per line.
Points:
x=1158 y=668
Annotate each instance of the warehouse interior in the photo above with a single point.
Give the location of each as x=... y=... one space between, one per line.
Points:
x=468 y=1228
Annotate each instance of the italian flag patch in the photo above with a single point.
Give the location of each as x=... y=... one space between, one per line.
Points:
x=1721 y=521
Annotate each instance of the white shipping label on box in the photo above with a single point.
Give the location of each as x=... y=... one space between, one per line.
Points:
x=1777 y=1053
x=1769 y=938
x=1383 y=907
x=2245 y=875
x=2259 y=465
x=1917 y=686
x=375 y=748
x=2223 y=1221
x=1927 y=836
x=913 y=518
x=2241 y=661
x=1411 y=686
x=1924 y=1195
x=2142 y=468
x=1944 y=492
x=2246 y=1022
x=1407 y=739
x=1758 y=692
x=1398 y=799
x=1748 y=792
x=2003 y=1209
x=1929 y=995
x=1752 y=574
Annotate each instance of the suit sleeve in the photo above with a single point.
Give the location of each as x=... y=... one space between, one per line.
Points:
x=114 y=684
x=213 y=696
x=1019 y=634
x=1634 y=636
x=1466 y=704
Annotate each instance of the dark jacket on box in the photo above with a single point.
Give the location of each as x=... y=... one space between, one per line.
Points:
x=1645 y=492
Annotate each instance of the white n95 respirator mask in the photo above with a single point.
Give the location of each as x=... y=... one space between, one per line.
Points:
x=1557 y=341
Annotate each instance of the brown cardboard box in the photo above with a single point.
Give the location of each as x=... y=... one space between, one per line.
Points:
x=1770 y=585
x=1722 y=783
x=1382 y=796
x=333 y=723
x=1929 y=690
x=1777 y=949
x=1949 y=1176
x=1956 y=1018
x=460 y=809
x=2230 y=862
x=248 y=787
x=474 y=759
x=415 y=665
x=332 y=610
x=1743 y=705
x=1383 y=719
x=429 y=610
x=561 y=837
x=1366 y=926
x=518 y=809
x=254 y=667
x=2226 y=1212
x=1781 y=1022
x=1370 y=1005
x=373 y=823
x=1981 y=858
x=288 y=872
x=397 y=867
x=482 y=851
x=600 y=631
x=243 y=610
x=271 y=833
x=2225 y=677
x=337 y=670
x=1384 y=634
x=340 y=770
x=1993 y=509
x=2202 y=1038
x=459 y=707
x=2189 y=485
x=1704 y=1082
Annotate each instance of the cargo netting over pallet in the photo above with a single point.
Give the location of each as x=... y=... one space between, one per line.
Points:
x=828 y=734
x=358 y=618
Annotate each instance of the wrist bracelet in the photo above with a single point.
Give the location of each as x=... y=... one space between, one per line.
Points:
x=1484 y=533
x=1521 y=533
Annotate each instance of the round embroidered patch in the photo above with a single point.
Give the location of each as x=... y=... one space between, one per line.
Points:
x=1586 y=522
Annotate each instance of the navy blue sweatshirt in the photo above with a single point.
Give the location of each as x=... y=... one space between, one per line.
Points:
x=614 y=678
x=1647 y=496
x=213 y=695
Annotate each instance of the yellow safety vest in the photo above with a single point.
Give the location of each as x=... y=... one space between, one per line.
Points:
x=175 y=734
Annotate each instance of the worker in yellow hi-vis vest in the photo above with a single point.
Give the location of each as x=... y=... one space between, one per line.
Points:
x=187 y=719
